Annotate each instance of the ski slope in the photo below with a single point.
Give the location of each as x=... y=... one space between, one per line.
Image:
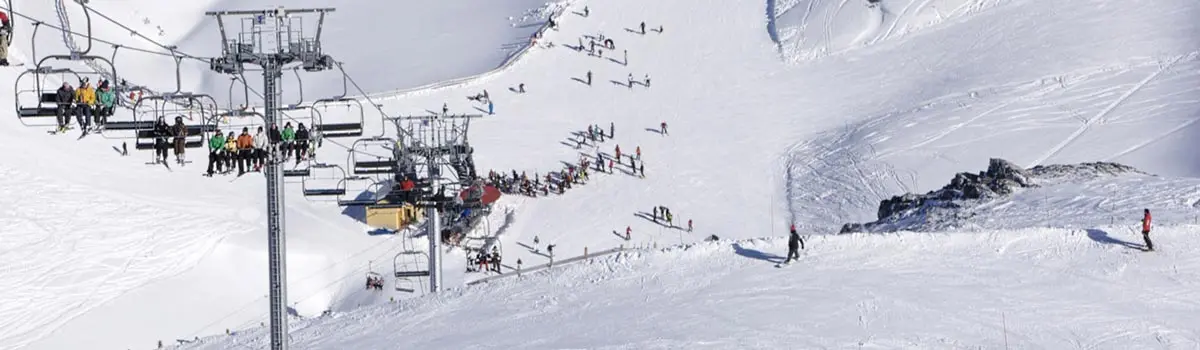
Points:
x=1032 y=288
x=761 y=134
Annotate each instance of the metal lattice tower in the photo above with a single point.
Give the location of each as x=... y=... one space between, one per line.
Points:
x=435 y=147
x=272 y=39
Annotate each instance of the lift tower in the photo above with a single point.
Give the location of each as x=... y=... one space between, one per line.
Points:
x=272 y=39
x=434 y=149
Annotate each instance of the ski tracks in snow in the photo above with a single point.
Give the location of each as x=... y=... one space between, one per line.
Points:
x=1103 y=115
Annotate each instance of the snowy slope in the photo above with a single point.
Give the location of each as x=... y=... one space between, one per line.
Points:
x=1034 y=288
x=755 y=143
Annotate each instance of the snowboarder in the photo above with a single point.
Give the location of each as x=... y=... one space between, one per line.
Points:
x=215 y=144
x=794 y=242
x=589 y=78
x=628 y=233
x=643 y=28
x=5 y=38
x=1146 y=230
x=663 y=128
x=180 y=131
x=63 y=98
x=161 y=132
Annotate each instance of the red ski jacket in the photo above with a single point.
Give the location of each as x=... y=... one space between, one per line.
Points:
x=1146 y=223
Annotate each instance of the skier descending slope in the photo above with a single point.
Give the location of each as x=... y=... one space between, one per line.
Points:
x=1146 y=230
x=794 y=243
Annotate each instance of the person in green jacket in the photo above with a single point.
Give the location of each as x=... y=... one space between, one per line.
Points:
x=289 y=138
x=106 y=99
x=215 y=144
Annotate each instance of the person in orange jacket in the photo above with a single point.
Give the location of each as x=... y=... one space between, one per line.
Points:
x=245 y=145
x=1146 y=230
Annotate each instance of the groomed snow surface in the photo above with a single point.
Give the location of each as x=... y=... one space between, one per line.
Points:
x=1034 y=288
x=779 y=111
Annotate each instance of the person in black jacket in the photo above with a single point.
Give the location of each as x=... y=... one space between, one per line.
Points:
x=301 y=143
x=275 y=137
x=162 y=131
x=64 y=97
x=794 y=242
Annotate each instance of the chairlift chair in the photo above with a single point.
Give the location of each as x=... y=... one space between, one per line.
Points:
x=324 y=128
x=364 y=161
x=360 y=191
x=324 y=181
x=411 y=263
x=46 y=104
x=170 y=106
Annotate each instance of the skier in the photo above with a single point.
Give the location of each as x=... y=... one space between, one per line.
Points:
x=107 y=99
x=639 y=152
x=550 y=21
x=521 y=88
x=1146 y=230
x=642 y=169
x=628 y=233
x=230 y=151
x=445 y=109
x=663 y=128
x=215 y=144
x=5 y=38
x=610 y=166
x=274 y=137
x=245 y=150
x=689 y=225
x=63 y=98
x=301 y=143
x=670 y=219
x=794 y=242
x=495 y=259
x=612 y=130
x=491 y=108
x=586 y=12
x=161 y=132
x=629 y=80
x=589 y=78
x=647 y=78
x=626 y=52
x=85 y=98
x=288 y=136
x=180 y=132
x=260 y=149
x=643 y=28
x=656 y=214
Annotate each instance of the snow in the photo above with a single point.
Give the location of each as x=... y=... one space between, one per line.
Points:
x=1032 y=288
x=768 y=126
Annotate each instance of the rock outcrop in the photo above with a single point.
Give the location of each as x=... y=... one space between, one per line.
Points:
x=1002 y=178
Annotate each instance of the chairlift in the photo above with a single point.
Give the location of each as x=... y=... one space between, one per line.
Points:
x=148 y=109
x=360 y=191
x=365 y=157
x=411 y=263
x=323 y=180
x=324 y=128
x=46 y=105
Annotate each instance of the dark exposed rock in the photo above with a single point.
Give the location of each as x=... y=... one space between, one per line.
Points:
x=1002 y=178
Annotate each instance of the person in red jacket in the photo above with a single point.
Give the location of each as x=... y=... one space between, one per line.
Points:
x=5 y=38
x=1146 y=230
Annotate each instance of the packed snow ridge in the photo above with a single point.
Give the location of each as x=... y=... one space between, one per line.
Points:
x=953 y=205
